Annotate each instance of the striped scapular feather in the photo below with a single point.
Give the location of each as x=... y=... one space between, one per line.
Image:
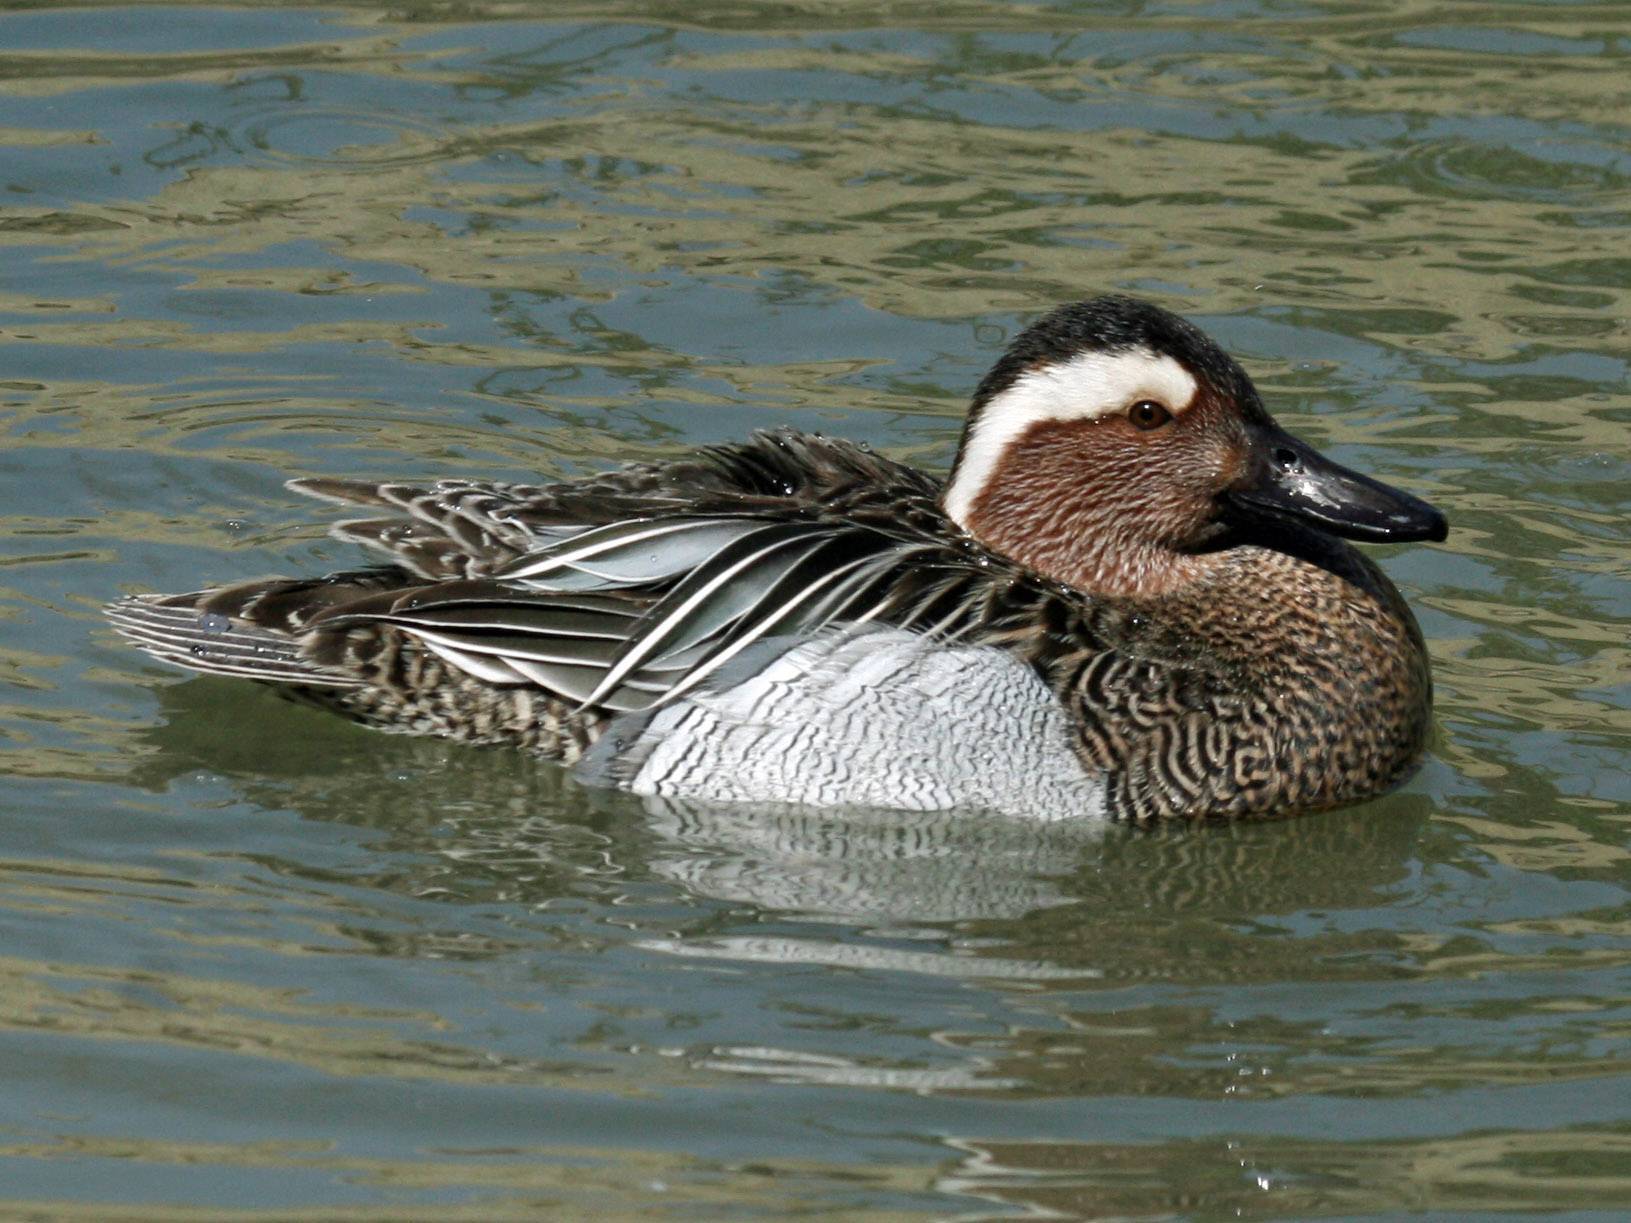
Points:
x=643 y=552
x=601 y=593
x=754 y=578
x=619 y=616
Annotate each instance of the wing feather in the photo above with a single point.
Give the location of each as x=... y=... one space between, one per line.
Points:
x=660 y=628
x=707 y=600
x=810 y=607
x=636 y=553
x=617 y=591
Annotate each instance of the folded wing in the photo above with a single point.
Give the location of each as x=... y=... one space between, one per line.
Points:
x=619 y=616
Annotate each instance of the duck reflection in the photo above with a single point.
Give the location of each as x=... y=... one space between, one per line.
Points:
x=491 y=824
x=867 y=865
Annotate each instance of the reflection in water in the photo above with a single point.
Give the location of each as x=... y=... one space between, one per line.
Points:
x=491 y=813
x=941 y=899
x=342 y=136
x=870 y=866
x=500 y=820
x=1300 y=1176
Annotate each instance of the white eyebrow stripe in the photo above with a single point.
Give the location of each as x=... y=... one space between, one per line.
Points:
x=1086 y=387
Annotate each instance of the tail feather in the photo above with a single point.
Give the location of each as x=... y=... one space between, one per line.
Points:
x=172 y=629
x=352 y=492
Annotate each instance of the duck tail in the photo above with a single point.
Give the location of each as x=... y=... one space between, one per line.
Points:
x=181 y=630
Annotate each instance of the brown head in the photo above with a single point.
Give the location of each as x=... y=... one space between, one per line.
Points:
x=1114 y=442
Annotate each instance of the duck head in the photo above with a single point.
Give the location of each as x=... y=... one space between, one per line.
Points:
x=1113 y=442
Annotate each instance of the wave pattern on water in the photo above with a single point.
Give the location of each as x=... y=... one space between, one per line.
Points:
x=259 y=961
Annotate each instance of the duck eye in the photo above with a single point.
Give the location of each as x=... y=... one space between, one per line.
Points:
x=1147 y=414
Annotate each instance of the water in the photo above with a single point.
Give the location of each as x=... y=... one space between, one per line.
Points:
x=258 y=960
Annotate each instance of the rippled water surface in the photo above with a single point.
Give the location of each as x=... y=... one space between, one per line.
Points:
x=255 y=959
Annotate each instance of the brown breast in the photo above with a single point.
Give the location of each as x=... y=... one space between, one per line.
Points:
x=1270 y=685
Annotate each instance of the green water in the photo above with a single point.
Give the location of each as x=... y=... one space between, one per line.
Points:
x=258 y=961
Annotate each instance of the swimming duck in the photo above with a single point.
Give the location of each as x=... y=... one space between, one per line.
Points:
x=1130 y=598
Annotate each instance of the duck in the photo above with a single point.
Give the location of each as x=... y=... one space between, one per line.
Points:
x=1133 y=597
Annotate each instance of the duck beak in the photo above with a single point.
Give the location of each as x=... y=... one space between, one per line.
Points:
x=1289 y=479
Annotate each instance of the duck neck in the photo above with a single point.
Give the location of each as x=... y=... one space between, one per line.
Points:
x=1328 y=694
x=1080 y=546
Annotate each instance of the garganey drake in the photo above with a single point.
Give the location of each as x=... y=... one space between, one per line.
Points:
x=1131 y=598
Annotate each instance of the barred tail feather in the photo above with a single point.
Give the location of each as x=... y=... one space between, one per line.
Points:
x=172 y=629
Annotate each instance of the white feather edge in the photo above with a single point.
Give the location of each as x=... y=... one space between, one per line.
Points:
x=1089 y=386
x=579 y=548
x=655 y=637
